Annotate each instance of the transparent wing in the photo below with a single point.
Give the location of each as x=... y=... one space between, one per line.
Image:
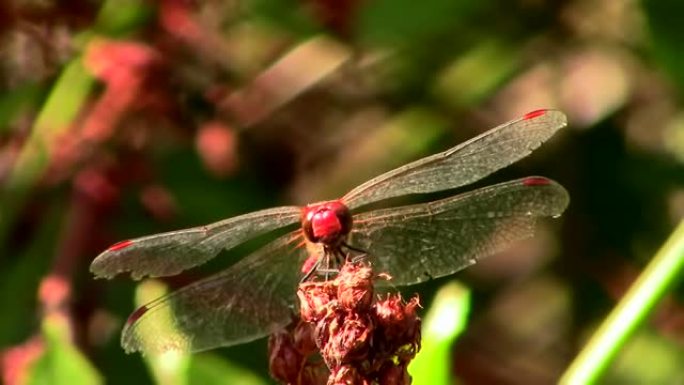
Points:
x=465 y=163
x=172 y=252
x=249 y=300
x=418 y=242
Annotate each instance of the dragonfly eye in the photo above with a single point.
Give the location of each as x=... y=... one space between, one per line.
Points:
x=327 y=222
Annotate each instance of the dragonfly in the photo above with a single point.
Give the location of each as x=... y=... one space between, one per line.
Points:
x=411 y=243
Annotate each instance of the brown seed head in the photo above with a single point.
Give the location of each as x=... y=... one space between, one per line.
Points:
x=391 y=374
x=303 y=336
x=284 y=359
x=314 y=373
x=347 y=375
x=315 y=299
x=355 y=287
x=348 y=339
x=360 y=342
x=399 y=327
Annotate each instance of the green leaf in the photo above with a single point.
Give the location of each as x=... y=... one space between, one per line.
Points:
x=62 y=362
x=445 y=320
x=169 y=368
x=663 y=366
x=473 y=76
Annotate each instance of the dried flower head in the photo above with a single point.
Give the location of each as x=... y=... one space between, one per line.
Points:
x=344 y=336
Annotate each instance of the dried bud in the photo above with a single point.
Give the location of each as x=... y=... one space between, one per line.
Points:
x=399 y=326
x=303 y=336
x=314 y=374
x=360 y=342
x=345 y=375
x=389 y=311
x=285 y=361
x=348 y=338
x=391 y=374
x=315 y=299
x=396 y=317
x=355 y=287
x=326 y=328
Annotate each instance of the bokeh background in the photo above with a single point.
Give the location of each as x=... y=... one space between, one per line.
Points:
x=121 y=118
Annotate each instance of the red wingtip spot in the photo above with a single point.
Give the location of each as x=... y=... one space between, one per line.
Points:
x=536 y=181
x=120 y=245
x=533 y=114
x=136 y=315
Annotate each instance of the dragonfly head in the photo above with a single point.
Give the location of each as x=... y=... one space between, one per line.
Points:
x=326 y=222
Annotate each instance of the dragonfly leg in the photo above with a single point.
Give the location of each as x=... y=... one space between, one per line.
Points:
x=361 y=254
x=328 y=270
x=332 y=258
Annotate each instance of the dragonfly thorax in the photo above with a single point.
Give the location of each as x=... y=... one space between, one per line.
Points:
x=327 y=222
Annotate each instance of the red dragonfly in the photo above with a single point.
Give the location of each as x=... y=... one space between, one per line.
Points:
x=413 y=243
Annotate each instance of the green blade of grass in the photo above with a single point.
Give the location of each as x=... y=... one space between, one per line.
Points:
x=65 y=100
x=446 y=320
x=64 y=103
x=59 y=111
x=653 y=283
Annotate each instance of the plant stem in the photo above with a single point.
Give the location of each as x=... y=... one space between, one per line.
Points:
x=660 y=274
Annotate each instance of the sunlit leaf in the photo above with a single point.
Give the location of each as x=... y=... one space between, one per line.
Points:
x=445 y=320
x=61 y=363
x=169 y=368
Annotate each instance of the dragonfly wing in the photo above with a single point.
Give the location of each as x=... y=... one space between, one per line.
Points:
x=418 y=242
x=247 y=301
x=172 y=252
x=465 y=163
